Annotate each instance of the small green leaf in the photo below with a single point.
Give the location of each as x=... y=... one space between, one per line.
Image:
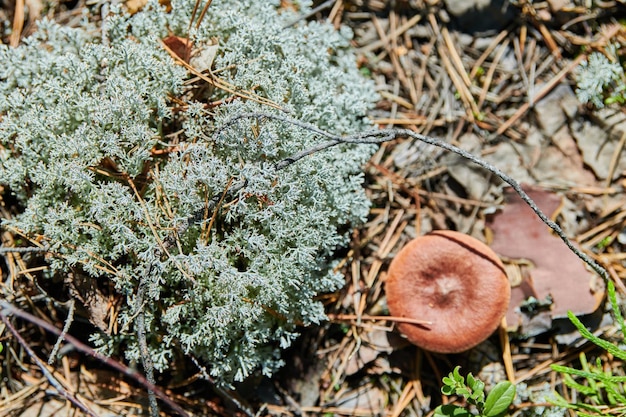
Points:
x=578 y=372
x=584 y=389
x=447 y=389
x=463 y=391
x=450 y=410
x=614 y=99
x=478 y=397
x=606 y=345
x=365 y=72
x=499 y=399
x=617 y=312
x=479 y=386
x=608 y=239
x=557 y=400
x=457 y=376
x=448 y=381
x=613 y=393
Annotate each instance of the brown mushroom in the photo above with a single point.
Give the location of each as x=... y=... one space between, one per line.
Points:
x=453 y=281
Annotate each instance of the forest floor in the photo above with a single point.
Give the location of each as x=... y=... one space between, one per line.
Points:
x=501 y=86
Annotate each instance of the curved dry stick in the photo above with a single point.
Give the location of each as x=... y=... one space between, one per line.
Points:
x=518 y=189
x=384 y=135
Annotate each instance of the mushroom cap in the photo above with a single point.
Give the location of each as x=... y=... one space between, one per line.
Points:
x=455 y=282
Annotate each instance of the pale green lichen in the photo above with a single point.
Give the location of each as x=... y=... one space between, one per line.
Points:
x=80 y=121
x=601 y=81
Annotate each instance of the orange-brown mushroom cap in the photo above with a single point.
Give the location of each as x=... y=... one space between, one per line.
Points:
x=453 y=281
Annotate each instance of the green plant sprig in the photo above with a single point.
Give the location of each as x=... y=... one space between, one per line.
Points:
x=473 y=390
x=600 y=389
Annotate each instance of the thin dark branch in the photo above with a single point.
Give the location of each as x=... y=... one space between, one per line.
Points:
x=30 y=249
x=516 y=186
x=8 y=308
x=221 y=391
x=53 y=381
x=384 y=135
x=260 y=115
x=296 y=157
x=368 y=139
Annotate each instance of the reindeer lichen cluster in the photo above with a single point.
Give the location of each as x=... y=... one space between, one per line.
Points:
x=133 y=174
x=602 y=81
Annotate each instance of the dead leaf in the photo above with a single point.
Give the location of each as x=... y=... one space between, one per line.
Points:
x=556 y=278
x=180 y=46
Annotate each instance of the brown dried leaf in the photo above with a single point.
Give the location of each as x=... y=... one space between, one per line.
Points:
x=180 y=46
x=555 y=272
